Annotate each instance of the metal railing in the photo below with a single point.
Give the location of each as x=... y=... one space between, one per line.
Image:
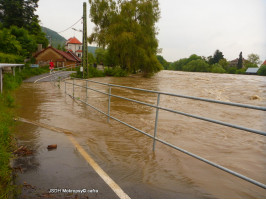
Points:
x=63 y=69
x=157 y=107
x=3 y=65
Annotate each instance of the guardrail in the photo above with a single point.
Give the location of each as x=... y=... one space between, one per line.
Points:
x=157 y=107
x=3 y=65
x=60 y=69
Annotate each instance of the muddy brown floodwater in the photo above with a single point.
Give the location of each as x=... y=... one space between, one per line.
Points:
x=127 y=155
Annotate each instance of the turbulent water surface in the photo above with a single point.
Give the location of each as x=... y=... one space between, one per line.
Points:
x=127 y=155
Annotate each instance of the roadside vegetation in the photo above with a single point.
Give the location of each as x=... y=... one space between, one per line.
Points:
x=20 y=33
x=7 y=142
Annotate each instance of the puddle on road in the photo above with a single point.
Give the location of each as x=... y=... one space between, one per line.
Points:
x=127 y=156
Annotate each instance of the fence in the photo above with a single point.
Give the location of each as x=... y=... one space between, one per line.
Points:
x=157 y=107
x=3 y=65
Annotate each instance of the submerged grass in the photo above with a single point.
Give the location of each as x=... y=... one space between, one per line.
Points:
x=7 y=144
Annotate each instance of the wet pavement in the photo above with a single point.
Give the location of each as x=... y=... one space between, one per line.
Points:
x=48 y=77
x=126 y=155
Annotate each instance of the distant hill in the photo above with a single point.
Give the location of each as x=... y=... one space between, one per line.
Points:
x=92 y=49
x=56 y=38
x=59 y=40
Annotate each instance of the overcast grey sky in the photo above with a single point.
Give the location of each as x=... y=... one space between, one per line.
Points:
x=186 y=26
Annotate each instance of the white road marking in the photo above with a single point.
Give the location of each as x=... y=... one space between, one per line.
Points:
x=107 y=179
x=47 y=76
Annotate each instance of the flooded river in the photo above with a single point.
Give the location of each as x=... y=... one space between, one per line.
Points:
x=127 y=156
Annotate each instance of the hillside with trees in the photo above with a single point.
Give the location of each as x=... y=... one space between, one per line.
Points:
x=56 y=39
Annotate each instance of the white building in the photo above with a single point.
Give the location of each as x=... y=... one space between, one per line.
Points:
x=74 y=45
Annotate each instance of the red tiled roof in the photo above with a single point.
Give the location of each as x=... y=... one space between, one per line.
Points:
x=74 y=56
x=66 y=55
x=79 y=51
x=73 y=41
x=264 y=63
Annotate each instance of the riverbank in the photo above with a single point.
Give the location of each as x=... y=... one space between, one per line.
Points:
x=7 y=141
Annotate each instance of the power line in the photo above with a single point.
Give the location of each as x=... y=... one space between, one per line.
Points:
x=71 y=26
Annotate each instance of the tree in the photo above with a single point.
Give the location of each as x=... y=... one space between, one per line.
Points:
x=163 y=62
x=254 y=59
x=240 y=61
x=217 y=68
x=9 y=43
x=27 y=41
x=18 y=13
x=262 y=70
x=224 y=63
x=218 y=55
x=198 y=65
x=127 y=29
x=100 y=56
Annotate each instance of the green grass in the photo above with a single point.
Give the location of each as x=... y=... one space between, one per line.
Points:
x=7 y=144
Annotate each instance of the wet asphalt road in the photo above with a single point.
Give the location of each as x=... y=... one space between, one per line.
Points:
x=66 y=174
x=49 y=77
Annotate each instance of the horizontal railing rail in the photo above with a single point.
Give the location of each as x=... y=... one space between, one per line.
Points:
x=157 y=107
x=62 y=69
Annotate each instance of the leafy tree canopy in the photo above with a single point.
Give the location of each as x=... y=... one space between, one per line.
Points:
x=127 y=29
x=163 y=62
x=218 y=55
x=20 y=13
x=198 y=65
x=254 y=59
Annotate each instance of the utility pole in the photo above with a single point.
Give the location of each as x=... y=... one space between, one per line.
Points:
x=85 y=43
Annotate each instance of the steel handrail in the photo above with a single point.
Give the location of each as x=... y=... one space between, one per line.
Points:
x=169 y=110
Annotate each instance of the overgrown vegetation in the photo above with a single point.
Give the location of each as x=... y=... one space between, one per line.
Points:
x=7 y=145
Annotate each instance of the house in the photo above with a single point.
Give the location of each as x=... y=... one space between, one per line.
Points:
x=233 y=63
x=252 y=71
x=60 y=58
x=74 y=45
x=264 y=63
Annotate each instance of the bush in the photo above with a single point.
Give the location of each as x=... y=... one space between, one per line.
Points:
x=217 y=68
x=241 y=71
x=197 y=66
x=262 y=70
x=93 y=72
x=232 y=70
x=117 y=72
x=9 y=58
x=7 y=101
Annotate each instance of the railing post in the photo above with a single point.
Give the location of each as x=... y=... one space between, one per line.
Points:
x=86 y=91
x=65 y=86
x=1 y=80
x=73 y=88
x=13 y=70
x=109 y=102
x=156 y=122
